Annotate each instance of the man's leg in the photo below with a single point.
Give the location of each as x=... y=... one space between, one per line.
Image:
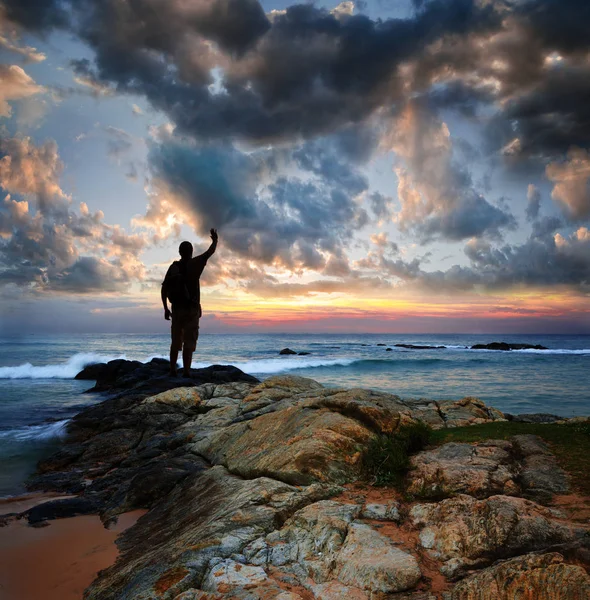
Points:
x=176 y=343
x=173 y=361
x=187 y=359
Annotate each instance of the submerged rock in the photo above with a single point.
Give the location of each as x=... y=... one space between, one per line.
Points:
x=505 y=347
x=418 y=347
x=287 y=351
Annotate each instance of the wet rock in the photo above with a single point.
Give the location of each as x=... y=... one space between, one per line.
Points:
x=60 y=509
x=418 y=347
x=505 y=347
x=303 y=353
x=287 y=351
x=542 y=577
x=463 y=531
x=153 y=377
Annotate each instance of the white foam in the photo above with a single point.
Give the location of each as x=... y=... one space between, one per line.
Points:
x=67 y=370
x=270 y=366
x=36 y=432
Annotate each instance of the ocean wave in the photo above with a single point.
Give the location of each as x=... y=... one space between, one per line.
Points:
x=45 y=432
x=270 y=366
x=67 y=370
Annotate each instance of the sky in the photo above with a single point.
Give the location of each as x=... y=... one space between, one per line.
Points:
x=383 y=166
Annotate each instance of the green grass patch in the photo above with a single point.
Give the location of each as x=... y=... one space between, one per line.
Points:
x=386 y=459
x=570 y=443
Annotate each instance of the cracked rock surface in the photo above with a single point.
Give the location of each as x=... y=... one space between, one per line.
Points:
x=251 y=490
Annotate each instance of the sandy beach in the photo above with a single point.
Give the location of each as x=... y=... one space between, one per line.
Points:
x=56 y=562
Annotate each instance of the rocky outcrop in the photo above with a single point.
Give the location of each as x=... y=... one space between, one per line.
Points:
x=522 y=465
x=418 y=347
x=464 y=532
x=153 y=377
x=252 y=493
x=505 y=347
x=542 y=577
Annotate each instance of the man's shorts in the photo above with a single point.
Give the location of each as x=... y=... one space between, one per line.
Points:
x=185 y=328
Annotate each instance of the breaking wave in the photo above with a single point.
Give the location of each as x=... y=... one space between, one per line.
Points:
x=67 y=370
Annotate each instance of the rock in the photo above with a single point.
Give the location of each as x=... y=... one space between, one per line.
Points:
x=479 y=470
x=505 y=347
x=468 y=411
x=540 y=476
x=60 y=509
x=227 y=575
x=110 y=371
x=182 y=397
x=287 y=351
x=534 y=418
x=542 y=577
x=295 y=445
x=463 y=531
x=303 y=353
x=415 y=347
x=388 y=349
x=308 y=541
x=153 y=377
x=370 y=561
x=334 y=590
x=206 y=517
x=381 y=512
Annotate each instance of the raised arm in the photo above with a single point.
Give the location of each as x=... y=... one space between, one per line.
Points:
x=211 y=250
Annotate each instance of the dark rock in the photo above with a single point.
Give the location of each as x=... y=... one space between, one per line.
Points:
x=535 y=418
x=65 y=482
x=287 y=351
x=388 y=349
x=110 y=371
x=414 y=347
x=303 y=353
x=61 y=509
x=381 y=344
x=504 y=346
x=153 y=377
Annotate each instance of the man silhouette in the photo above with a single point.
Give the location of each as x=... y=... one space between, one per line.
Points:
x=181 y=287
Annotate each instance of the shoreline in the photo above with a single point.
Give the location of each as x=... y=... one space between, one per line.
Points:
x=222 y=462
x=59 y=560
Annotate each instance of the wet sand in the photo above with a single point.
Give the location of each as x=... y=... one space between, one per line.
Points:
x=57 y=562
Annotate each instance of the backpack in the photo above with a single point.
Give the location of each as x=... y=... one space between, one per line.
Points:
x=177 y=289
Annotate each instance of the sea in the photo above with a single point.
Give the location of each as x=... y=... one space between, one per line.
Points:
x=38 y=392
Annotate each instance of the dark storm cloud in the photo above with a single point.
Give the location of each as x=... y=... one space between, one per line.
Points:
x=306 y=72
x=289 y=220
x=37 y=15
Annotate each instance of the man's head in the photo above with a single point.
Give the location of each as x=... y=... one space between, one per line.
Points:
x=186 y=250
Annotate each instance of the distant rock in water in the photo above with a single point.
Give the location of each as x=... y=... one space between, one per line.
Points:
x=287 y=351
x=414 y=347
x=381 y=344
x=153 y=377
x=388 y=349
x=504 y=346
x=303 y=353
